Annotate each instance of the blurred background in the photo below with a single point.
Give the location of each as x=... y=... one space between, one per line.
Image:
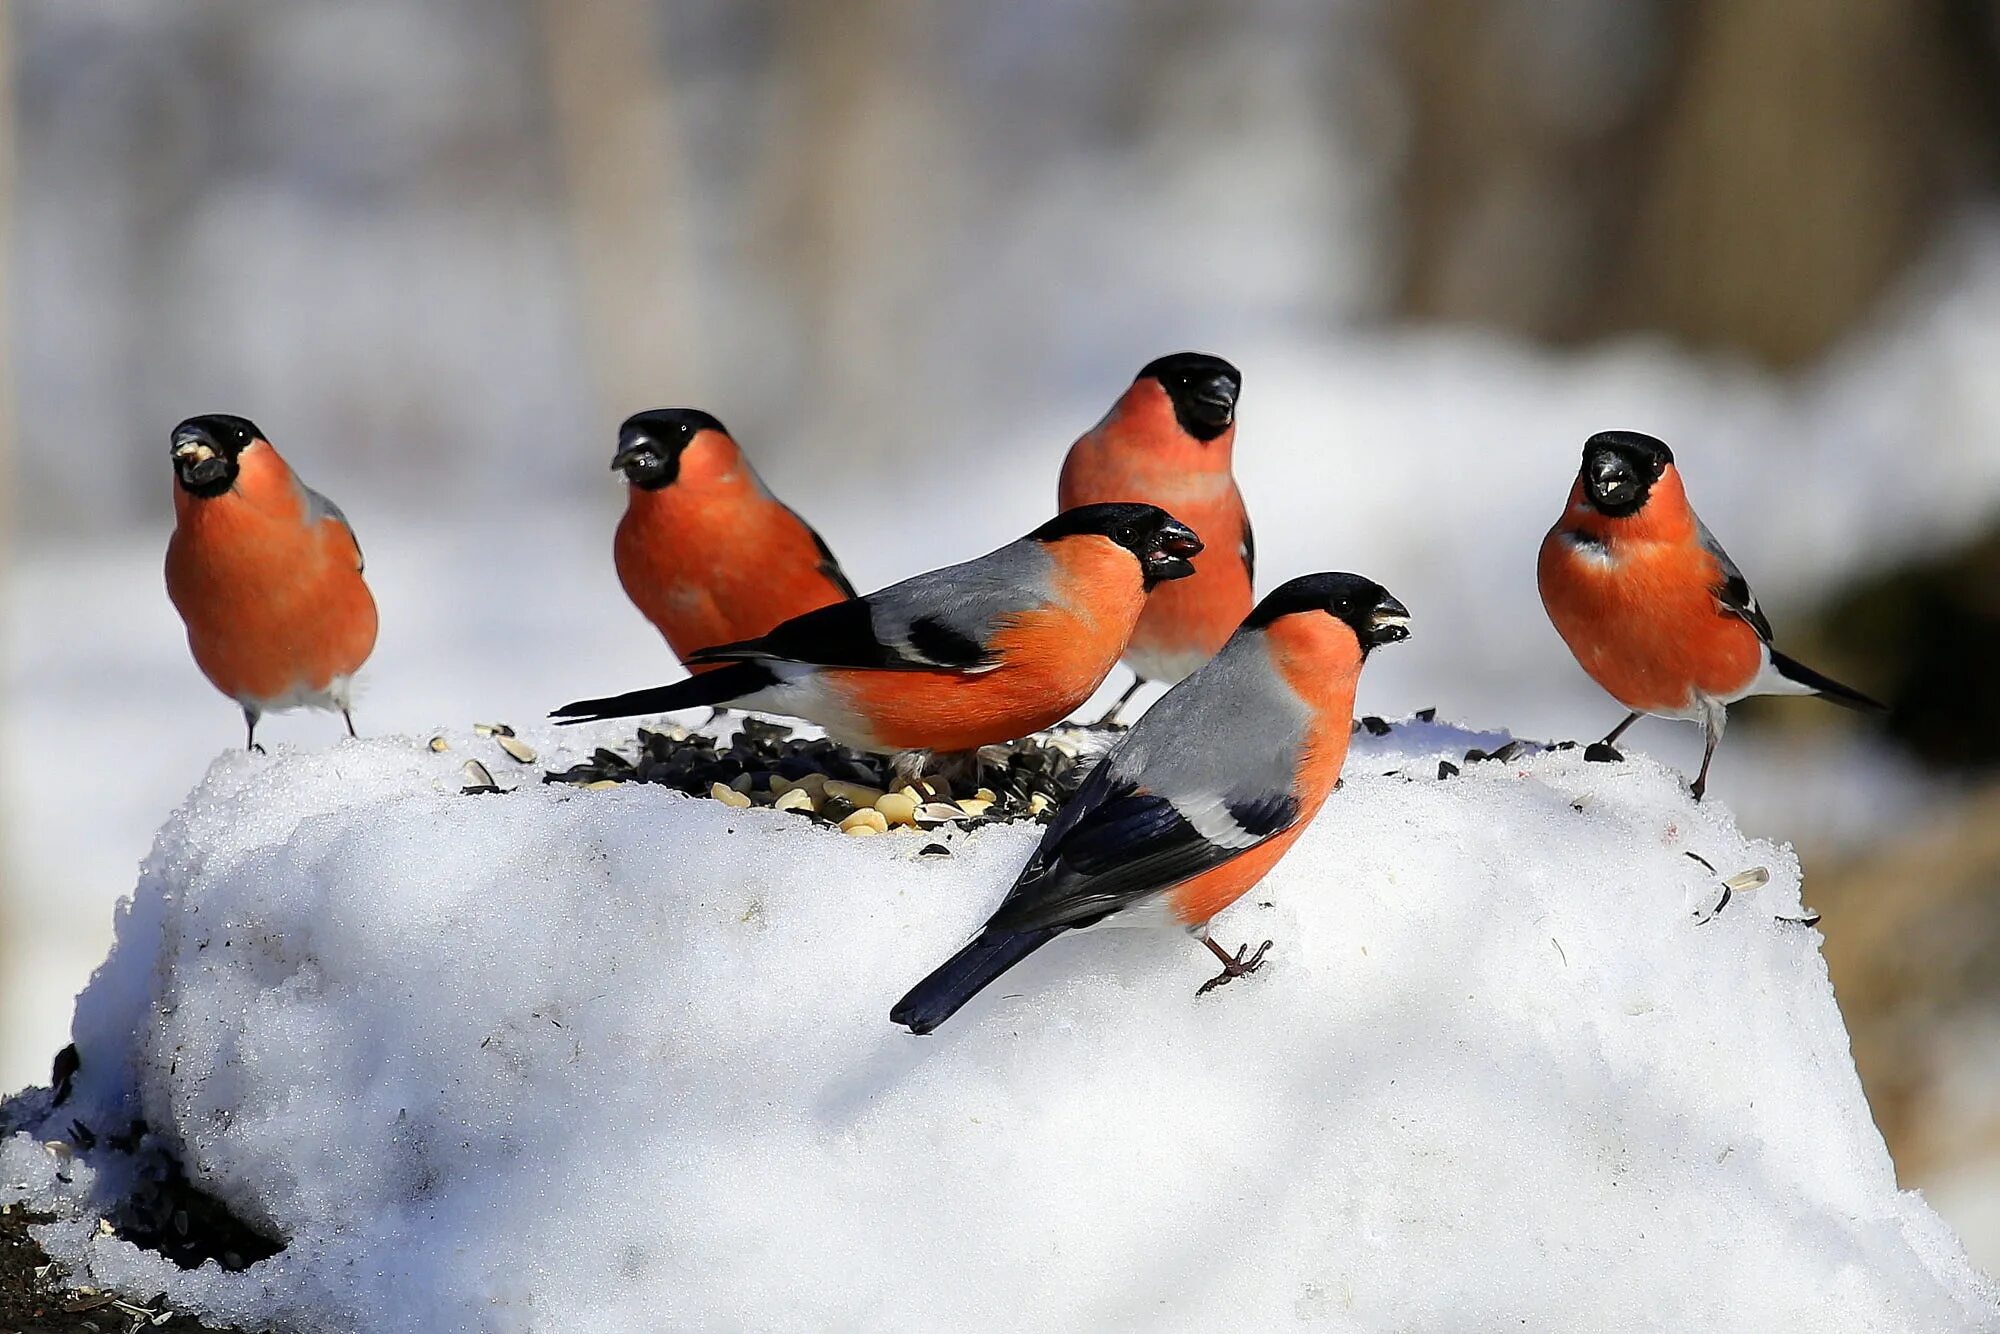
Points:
x=439 y=248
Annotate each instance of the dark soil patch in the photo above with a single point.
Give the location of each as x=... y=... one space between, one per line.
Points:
x=33 y=1300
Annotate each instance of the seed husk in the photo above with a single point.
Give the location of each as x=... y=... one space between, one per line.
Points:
x=478 y=779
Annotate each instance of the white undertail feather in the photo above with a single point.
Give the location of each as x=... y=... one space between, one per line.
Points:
x=339 y=695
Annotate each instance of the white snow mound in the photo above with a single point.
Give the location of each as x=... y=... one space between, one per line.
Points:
x=611 y=1060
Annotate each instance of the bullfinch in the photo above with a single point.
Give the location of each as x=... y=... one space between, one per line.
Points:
x=705 y=552
x=1200 y=799
x=1168 y=441
x=1652 y=606
x=962 y=657
x=266 y=574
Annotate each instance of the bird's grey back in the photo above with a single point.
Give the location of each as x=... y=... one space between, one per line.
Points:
x=318 y=507
x=1234 y=726
x=967 y=600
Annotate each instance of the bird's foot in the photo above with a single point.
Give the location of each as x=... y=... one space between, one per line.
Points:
x=907 y=767
x=256 y=748
x=1233 y=966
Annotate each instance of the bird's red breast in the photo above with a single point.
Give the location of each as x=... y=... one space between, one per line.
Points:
x=714 y=558
x=275 y=605
x=1320 y=660
x=1634 y=598
x=1140 y=453
x=1051 y=661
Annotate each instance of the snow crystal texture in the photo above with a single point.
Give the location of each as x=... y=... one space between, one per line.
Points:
x=568 y=1060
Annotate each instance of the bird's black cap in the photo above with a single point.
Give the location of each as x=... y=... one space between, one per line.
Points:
x=1202 y=388
x=1367 y=608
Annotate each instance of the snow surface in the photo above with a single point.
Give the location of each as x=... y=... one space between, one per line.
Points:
x=568 y=1060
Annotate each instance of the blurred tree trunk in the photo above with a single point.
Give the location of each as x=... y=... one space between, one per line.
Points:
x=627 y=209
x=1750 y=174
x=854 y=190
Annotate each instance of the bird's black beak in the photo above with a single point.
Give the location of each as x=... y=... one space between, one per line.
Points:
x=1171 y=555
x=1611 y=479
x=197 y=461
x=1388 y=623
x=636 y=454
x=645 y=462
x=1214 y=403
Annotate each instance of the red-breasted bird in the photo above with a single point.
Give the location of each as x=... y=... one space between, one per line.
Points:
x=1200 y=799
x=1652 y=606
x=704 y=551
x=266 y=574
x=967 y=656
x=1168 y=441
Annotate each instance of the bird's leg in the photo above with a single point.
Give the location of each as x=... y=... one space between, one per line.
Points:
x=1110 y=717
x=1619 y=730
x=344 y=713
x=1711 y=726
x=1233 y=965
x=250 y=731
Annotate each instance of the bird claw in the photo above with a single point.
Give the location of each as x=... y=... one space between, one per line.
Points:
x=1235 y=967
x=257 y=748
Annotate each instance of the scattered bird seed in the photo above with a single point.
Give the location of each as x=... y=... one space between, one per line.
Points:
x=478 y=779
x=866 y=821
x=1426 y=715
x=1375 y=726
x=438 y=745
x=1446 y=769
x=492 y=729
x=767 y=764
x=1597 y=752
x=516 y=749
x=728 y=795
x=858 y=794
x=934 y=850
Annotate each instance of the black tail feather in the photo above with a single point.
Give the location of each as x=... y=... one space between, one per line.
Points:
x=964 y=975
x=714 y=689
x=1825 y=686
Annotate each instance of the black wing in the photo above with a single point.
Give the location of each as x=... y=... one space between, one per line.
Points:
x=828 y=566
x=1119 y=843
x=1734 y=591
x=843 y=634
